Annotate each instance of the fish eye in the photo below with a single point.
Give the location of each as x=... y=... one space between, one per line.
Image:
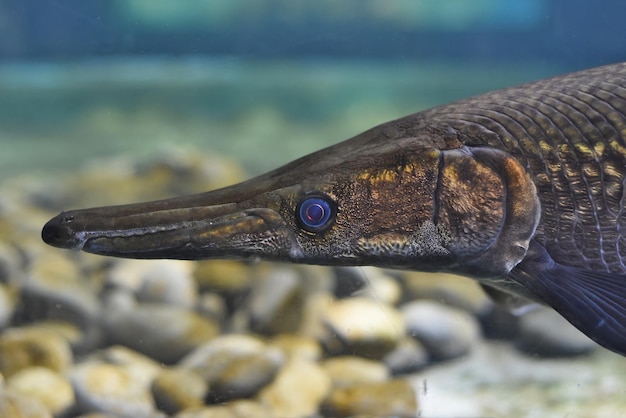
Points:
x=315 y=213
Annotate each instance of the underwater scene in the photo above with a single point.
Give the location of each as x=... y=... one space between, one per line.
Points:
x=117 y=102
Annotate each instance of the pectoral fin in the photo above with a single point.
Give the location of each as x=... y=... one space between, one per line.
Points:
x=594 y=302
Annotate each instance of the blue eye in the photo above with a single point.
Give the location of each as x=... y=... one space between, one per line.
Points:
x=315 y=213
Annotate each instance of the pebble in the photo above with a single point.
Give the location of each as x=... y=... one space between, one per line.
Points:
x=26 y=347
x=446 y=332
x=379 y=286
x=235 y=366
x=449 y=289
x=227 y=277
x=236 y=409
x=297 y=390
x=300 y=346
x=164 y=332
x=55 y=290
x=140 y=367
x=409 y=356
x=545 y=333
x=176 y=389
x=47 y=386
x=243 y=376
x=8 y=301
x=349 y=370
x=363 y=327
x=111 y=388
x=276 y=302
x=14 y=405
x=393 y=398
x=157 y=281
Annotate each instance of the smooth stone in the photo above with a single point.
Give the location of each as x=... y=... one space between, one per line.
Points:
x=244 y=376
x=362 y=327
x=177 y=389
x=297 y=390
x=393 y=398
x=202 y=358
x=8 y=302
x=276 y=302
x=79 y=341
x=11 y=271
x=449 y=289
x=446 y=332
x=15 y=405
x=381 y=286
x=300 y=346
x=234 y=366
x=112 y=389
x=349 y=370
x=163 y=332
x=140 y=367
x=242 y=408
x=409 y=356
x=212 y=306
x=545 y=333
x=55 y=289
x=348 y=281
x=47 y=386
x=223 y=276
x=24 y=347
x=156 y=281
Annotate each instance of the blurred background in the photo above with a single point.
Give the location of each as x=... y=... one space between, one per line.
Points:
x=264 y=81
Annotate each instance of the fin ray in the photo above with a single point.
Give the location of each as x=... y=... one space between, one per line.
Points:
x=594 y=302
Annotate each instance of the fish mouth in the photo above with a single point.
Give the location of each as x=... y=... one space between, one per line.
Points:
x=179 y=228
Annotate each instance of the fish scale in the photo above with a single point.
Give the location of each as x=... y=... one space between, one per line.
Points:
x=521 y=189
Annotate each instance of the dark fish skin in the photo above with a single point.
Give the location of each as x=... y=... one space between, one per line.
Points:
x=521 y=189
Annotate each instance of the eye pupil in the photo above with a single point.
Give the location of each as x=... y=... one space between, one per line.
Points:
x=315 y=214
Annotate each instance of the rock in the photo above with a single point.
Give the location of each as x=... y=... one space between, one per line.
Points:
x=301 y=346
x=48 y=387
x=8 y=302
x=449 y=289
x=349 y=370
x=23 y=347
x=202 y=358
x=234 y=366
x=157 y=281
x=14 y=405
x=236 y=409
x=446 y=332
x=297 y=390
x=243 y=376
x=11 y=271
x=55 y=289
x=212 y=306
x=163 y=332
x=363 y=327
x=392 y=398
x=409 y=356
x=110 y=389
x=177 y=389
x=227 y=277
x=380 y=286
x=139 y=367
x=276 y=302
x=545 y=333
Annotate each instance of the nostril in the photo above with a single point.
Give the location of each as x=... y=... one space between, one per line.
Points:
x=67 y=219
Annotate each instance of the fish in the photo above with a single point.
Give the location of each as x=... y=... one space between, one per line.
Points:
x=521 y=189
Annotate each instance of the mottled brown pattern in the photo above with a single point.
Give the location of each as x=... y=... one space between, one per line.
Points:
x=570 y=133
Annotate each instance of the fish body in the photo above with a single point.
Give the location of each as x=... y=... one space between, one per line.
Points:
x=521 y=189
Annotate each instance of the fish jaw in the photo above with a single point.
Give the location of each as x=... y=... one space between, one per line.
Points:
x=191 y=227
